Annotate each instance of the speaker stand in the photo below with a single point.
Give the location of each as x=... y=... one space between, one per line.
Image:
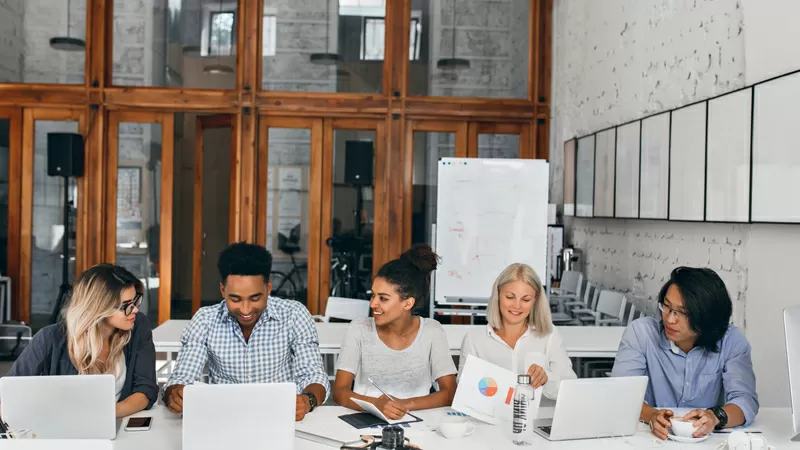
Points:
x=63 y=290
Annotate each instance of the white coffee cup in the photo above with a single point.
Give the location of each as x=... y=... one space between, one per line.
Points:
x=682 y=428
x=455 y=427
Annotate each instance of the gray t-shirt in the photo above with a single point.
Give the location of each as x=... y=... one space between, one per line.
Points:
x=403 y=373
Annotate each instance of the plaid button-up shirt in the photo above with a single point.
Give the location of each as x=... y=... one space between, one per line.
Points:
x=283 y=347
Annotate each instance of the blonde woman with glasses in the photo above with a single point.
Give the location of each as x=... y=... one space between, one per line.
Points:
x=101 y=332
x=520 y=335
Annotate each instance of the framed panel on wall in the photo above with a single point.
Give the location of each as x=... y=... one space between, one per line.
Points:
x=604 y=156
x=569 y=177
x=654 y=173
x=776 y=159
x=728 y=157
x=584 y=173
x=687 y=163
x=626 y=191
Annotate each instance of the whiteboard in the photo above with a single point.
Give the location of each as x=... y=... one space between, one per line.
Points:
x=605 y=152
x=627 y=173
x=653 y=176
x=687 y=163
x=491 y=213
x=776 y=151
x=728 y=185
x=584 y=173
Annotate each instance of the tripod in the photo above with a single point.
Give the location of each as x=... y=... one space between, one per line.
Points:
x=63 y=290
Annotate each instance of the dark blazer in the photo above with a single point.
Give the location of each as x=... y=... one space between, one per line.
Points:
x=47 y=355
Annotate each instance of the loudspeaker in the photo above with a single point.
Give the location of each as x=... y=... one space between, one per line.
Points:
x=64 y=155
x=358 y=162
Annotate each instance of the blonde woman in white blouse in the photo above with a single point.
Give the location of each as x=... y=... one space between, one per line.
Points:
x=520 y=335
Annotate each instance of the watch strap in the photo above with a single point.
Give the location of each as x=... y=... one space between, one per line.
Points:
x=312 y=400
x=721 y=416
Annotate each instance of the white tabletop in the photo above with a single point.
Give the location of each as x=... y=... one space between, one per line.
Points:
x=588 y=342
x=165 y=434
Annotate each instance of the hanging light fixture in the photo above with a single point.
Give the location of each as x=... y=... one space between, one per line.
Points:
x=219 y=68
x=67 y=43
x=453 y=62
x=326 y=58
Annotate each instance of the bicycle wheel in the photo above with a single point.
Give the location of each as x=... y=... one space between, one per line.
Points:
x=282 y=287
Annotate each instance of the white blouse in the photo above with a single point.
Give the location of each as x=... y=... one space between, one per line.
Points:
x=546 y=351
x=120 y=378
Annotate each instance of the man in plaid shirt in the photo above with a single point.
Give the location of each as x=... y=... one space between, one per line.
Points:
x=250 y=337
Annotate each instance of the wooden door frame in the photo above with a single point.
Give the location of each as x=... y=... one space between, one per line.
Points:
x=14 y=117
x=167 y=122
x=525 y=131
x=315 y=188
x=203 y=123
x=25 y=194
x=380 y=248
x=459 y=128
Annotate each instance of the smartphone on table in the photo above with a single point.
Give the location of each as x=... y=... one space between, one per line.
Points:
x=138 y=424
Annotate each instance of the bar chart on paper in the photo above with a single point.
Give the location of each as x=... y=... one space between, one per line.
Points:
x=490 y=213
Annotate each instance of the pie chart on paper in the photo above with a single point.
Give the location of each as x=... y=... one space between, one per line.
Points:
x=487 y=386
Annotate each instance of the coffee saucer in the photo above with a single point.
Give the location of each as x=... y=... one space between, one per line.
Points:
x=688 y=440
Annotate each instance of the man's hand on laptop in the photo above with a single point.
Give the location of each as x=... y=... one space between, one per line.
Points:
x=659 y=423
x=303 y=406
x=173 y=397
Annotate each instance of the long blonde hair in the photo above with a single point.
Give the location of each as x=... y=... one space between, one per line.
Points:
x=539 y=317
x=96 y=296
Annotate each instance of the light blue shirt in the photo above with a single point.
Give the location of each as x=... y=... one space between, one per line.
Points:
x=283 y=347
x=698 y=379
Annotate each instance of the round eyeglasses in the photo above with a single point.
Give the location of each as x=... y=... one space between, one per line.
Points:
x=128 y=306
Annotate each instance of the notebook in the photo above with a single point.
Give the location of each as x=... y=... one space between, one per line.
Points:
x=372 y=409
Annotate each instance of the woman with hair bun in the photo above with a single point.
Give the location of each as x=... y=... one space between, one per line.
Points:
x=401 y=353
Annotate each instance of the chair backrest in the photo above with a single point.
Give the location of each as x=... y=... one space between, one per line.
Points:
x=595 y=297
x=587 y=294
x=570 y=282
x=611 y=304
x=346 y=308
x=631 y=313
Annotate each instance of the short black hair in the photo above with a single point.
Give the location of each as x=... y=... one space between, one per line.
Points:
x=411 y=273
x=706 y=301
x=242 y=258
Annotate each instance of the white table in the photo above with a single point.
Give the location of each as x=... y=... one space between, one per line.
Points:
x=165 y=434
x=580 y=342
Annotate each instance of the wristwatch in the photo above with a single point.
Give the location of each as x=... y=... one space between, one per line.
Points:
x=311 y=400
x=721 y=416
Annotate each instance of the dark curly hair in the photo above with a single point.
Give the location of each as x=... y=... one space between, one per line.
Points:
x=242 y=258
x=411 y=273
x=706 y=301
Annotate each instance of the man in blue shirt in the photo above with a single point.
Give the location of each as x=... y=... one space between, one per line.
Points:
x=250 y=337
x=693 y=356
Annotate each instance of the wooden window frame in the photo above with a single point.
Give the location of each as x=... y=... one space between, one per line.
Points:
x=167 y=122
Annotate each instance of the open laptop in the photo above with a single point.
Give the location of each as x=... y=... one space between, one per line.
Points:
x=251 y=416
x=594 y=408
x=791 y=324
x=61 y=407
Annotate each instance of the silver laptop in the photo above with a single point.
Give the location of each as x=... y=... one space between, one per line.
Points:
x=595 y=408
x=61 y=407
x=232 y=416
x=791 y=324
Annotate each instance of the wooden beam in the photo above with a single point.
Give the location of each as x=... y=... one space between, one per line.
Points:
x=163 y=99
x=469 y=108
x=43 y=96
x=166 y=231
x=111 y=178
x=323 y=189
x=99 y=35
x=197 y=222
x=248 y=154
x=14 y=117
x=331 y=105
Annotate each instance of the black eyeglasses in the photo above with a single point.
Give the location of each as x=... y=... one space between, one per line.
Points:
x=128 y=306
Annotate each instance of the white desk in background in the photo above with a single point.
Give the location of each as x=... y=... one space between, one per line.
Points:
x=581 y=342
x=166 y=434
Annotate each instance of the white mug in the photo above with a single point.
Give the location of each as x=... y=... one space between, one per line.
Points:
x=455 y=427
x=682 y=428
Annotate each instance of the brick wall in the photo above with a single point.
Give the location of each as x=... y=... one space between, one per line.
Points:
x=619 y=60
